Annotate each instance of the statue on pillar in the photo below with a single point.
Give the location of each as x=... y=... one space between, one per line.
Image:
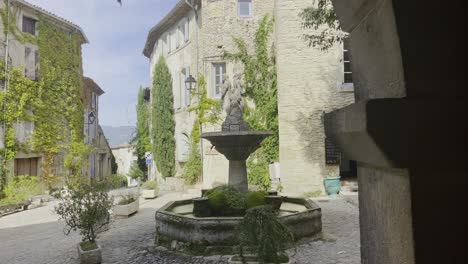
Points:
x=233 y=104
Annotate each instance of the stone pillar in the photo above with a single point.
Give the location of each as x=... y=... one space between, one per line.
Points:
x=373 y=131
x=238 y=175
x=406 y=129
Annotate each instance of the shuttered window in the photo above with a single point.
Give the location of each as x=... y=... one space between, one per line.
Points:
x=219 y=70
x=348 y=73
x=29 y=25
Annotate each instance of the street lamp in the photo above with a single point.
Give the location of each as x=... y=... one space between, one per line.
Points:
x=190 y=83
x=91 y=118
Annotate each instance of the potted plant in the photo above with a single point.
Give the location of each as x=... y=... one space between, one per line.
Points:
x=150 y=190
x=127 y=206
x=332 y=185
x=263 y=234
x=86 y=208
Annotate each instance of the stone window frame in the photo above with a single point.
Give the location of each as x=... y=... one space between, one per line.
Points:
x=251 y=9
x=346 y=86
x=31 y=27
x=215 y=77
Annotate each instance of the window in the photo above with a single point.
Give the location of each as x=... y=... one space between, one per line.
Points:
x=29 y=25
x=31 y=61
x=186 y=30
x=179 y=35
x=219 y=70
x=348 y=74
x=244 y=8
x=183 y=143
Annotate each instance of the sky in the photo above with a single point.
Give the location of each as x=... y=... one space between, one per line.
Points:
x=113 y=58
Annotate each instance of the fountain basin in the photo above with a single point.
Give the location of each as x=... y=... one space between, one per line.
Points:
x=175 y=222
x=236 y=145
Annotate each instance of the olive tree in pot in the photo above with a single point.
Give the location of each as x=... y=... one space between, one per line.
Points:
x=85 y=207
x=264 y=235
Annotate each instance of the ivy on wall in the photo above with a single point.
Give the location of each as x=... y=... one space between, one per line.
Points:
x=142 y=138
x=53 y=103
x=261 y=88
x=163 y=124
x=208 y=112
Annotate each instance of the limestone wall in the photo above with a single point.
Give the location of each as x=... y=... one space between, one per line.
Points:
x=309 y=84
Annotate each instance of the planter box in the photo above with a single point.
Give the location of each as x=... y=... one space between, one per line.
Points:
x=250 y=259
x=148 y=194
x=126 y=209
x=90 y=256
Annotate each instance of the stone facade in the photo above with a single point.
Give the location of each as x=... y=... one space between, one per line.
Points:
x=310 y=83
x=24 y=54
x=305 y=75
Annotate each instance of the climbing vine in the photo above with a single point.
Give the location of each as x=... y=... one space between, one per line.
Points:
x=53 y=102
x=207 y=112
x=261 y=88
x=163 y=123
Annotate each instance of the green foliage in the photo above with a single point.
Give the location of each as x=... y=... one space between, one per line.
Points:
x=53 y=103
x=258 y=170
x=207 y=111
x=135 y=171
x=150 y=185
x=254 y=199
x=126 y=200
x=322 y=23
x=225 y=200
x=163 y=123
x=116 y=181
x=21 y=188
x=114 y=166
x=85 y=208
x=261 y=87
x=142 y=137
x=261 y=230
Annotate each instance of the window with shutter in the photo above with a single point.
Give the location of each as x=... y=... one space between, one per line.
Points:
x=244 y=8
x=348 y=74
x=219 y=70
x=29 y=25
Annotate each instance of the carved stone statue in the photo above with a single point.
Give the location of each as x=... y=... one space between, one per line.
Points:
x=233 y=104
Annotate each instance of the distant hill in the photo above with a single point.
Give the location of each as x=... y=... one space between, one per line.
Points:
x=118 y=135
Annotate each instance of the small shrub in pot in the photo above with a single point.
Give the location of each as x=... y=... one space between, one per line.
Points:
x=85 y=208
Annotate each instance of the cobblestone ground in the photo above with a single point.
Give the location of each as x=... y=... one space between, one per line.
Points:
x=36 y=237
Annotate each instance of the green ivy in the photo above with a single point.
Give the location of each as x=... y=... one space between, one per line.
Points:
x=163 y=123
x=261 y=87
x=54 y=100
x=207 y=111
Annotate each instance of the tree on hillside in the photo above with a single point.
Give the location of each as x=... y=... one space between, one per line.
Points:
x=163 y=124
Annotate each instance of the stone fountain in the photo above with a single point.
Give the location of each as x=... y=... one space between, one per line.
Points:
x=236 y=141
x=178 y=227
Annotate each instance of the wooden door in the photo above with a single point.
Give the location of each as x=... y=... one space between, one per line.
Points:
x=26 y=166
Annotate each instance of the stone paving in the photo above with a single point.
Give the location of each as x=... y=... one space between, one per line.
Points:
x=36 y=237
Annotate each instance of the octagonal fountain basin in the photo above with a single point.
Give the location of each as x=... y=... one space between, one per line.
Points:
x=176 y=225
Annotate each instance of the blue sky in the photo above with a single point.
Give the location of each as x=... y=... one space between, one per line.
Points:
x=113 y=58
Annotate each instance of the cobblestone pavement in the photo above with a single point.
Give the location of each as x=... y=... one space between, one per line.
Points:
x=36 y=237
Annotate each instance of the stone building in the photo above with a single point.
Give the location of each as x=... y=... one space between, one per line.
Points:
x=101 y=156
x=25 y=54
x=193 y=39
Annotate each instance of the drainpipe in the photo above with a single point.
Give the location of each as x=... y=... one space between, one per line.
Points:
x=5 y=89
x=190 y=3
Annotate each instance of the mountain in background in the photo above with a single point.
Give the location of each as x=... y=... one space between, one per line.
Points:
x=118 y=135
